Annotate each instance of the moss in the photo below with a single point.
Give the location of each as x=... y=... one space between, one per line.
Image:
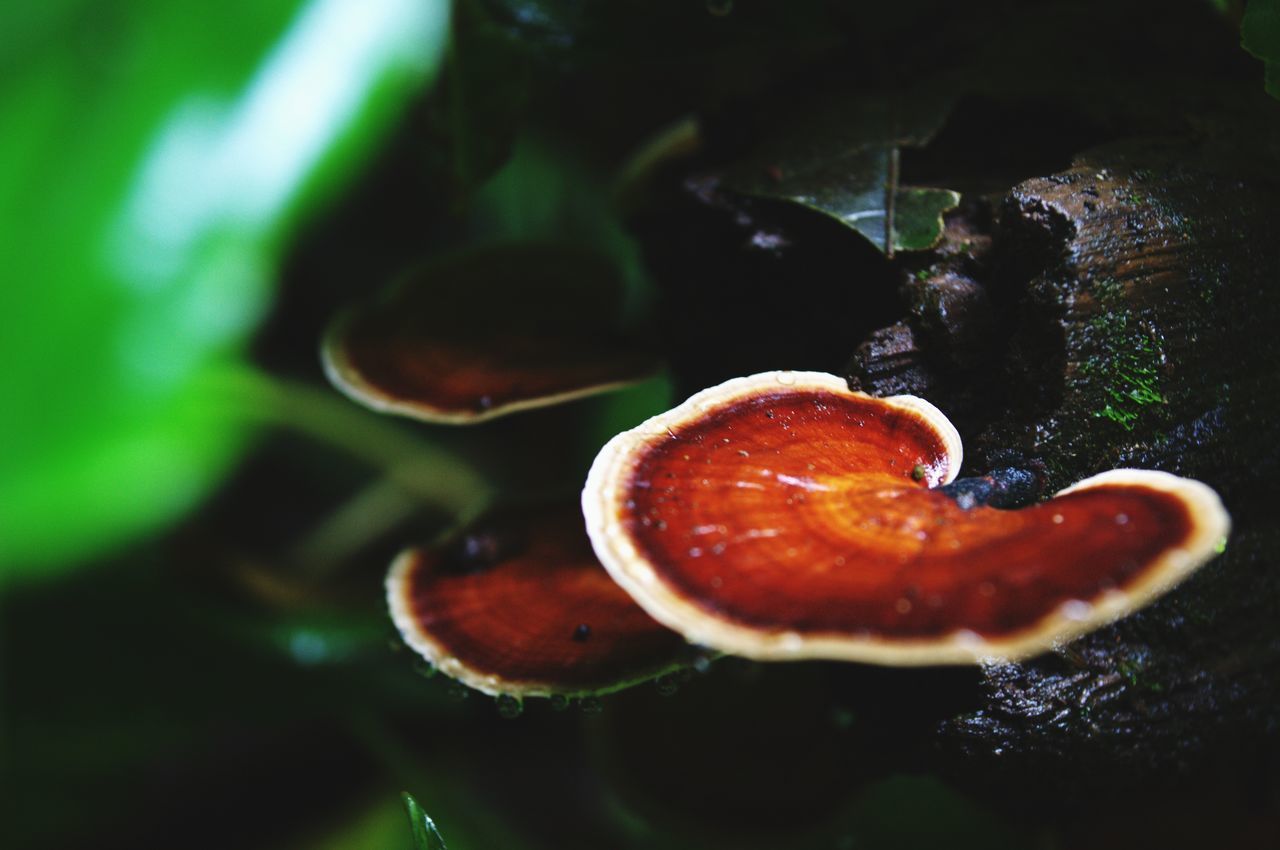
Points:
x=1129 y=669
x=1107 y=290
x=1134 y=671
x=1124 y=418
x=1124 y=369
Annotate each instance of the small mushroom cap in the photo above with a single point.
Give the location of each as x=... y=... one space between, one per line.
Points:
x=519 y=605
x=784 y=516
x=486 y=334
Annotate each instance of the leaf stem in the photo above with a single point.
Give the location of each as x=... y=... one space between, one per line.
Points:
x=430 y=473
x=366 y=516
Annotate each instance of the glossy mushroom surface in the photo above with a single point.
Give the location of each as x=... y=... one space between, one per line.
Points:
x=483 y=335
x=519 y=605
x=784 y=516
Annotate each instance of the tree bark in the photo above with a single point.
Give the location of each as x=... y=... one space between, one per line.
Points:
x=1128 y=315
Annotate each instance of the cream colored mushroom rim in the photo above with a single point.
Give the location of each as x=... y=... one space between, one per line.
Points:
x=351 y=382
x=605 y=494
x=399 y=601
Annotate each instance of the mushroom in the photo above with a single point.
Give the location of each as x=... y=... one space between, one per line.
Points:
x=484 y=334
x=518 y=605
x=784 y=516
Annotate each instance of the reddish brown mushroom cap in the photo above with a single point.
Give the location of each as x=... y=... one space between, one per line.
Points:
x=784 y=516
x=484 y=335
x=519 y=605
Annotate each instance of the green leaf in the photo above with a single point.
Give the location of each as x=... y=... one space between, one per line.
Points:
x=917 y=220
x=842 y=161
x=153 y=166
x=425 y=834
x=1260 y=35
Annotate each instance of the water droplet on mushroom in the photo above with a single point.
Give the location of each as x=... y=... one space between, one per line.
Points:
x=1058 y=519
x=424 y=669
x=559 y=702
x=582 y=633
x=786 y=378
x=1076 y=609
x=1122 y=519
x=457 y=691
x=667 y=685
x=509 y=707
x=590 y=705
x=902 y=606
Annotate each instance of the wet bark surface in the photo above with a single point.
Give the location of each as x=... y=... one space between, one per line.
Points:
x=1144 y=336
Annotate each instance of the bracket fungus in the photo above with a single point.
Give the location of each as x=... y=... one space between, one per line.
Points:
x=784 y=516
x=518 y=605
x=485 y=334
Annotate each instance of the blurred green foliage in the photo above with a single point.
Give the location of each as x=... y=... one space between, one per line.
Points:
x=155 y=160
x=425 y=834
x=1260 y=35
